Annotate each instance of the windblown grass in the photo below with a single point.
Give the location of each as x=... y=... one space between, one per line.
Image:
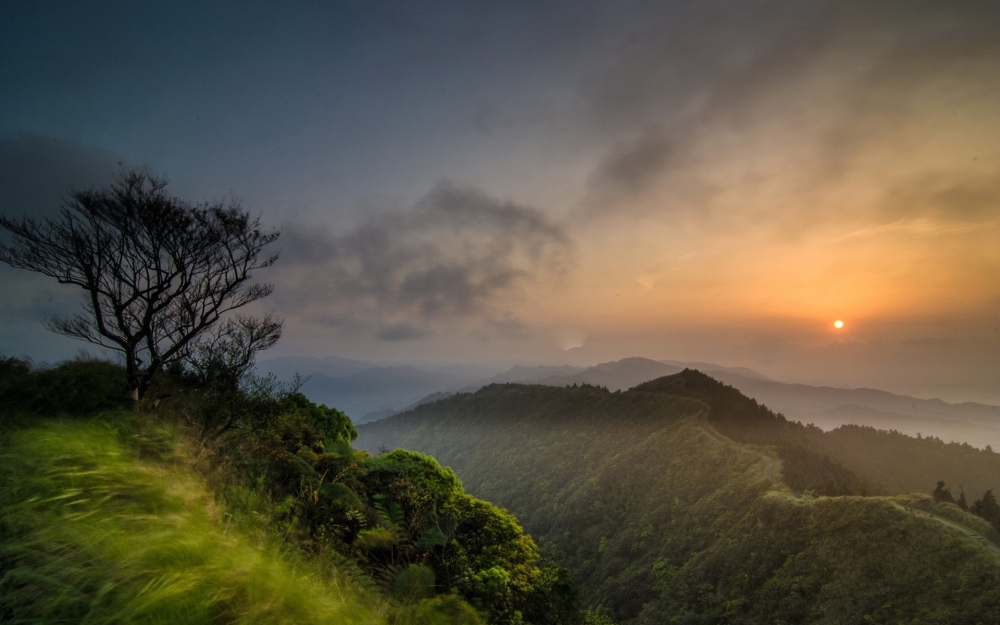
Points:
x=91 y=531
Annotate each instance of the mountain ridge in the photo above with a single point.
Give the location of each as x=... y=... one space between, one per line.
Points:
x=368 y=392
x=672 y=501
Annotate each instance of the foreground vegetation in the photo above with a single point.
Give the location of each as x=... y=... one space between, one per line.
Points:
x=682 y=501
x=233 y=499
x=118 y=536
x=103 y=524
x=240 y=501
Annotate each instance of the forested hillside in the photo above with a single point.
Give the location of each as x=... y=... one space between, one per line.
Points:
x=885 y=461
x=976 y=424
x=826 y=407
x=684 y=499
x=240 y=501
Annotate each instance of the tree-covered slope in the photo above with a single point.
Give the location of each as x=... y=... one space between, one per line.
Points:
x=611 y=494
x=837 y=560
x=885 y=461
x=671 y=501
x=898 y=463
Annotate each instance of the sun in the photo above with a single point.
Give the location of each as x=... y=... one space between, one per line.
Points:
x=838 y=324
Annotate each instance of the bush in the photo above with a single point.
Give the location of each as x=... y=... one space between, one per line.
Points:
x=444 y=610
x=414 y=582
x=280 y=465
x=75 y=387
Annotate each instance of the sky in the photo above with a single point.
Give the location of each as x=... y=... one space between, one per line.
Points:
x=551 y=182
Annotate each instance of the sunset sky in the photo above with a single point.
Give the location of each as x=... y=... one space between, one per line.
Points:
x=552 y=182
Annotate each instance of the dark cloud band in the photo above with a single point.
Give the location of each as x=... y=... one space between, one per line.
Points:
x=450 y=255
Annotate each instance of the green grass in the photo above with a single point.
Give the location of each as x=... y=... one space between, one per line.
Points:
x=101 y=523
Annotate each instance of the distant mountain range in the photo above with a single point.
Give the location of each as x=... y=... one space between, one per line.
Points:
x=828 y=407
x=368 y=391
x=618 y=375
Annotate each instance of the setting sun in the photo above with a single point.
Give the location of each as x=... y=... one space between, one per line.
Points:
x=838 y=324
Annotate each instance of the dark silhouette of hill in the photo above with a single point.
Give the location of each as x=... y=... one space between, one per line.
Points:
x=886 y=461
x=824 y=406
x=615 y=375
x=521 y=374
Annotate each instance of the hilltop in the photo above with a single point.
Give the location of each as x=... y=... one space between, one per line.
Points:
x=684 y=499
x=369 y=391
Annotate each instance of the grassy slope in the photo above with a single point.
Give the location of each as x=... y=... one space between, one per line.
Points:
x=100 y=523
x=650 y=506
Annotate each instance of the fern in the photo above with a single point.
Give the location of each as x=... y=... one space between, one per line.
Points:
x=392 y=513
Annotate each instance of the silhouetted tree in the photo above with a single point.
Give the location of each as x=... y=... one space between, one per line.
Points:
x=988 y=508
x=962 y=503
x=943 y=494
x=159 y=274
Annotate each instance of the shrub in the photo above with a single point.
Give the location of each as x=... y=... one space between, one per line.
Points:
x=75 y=387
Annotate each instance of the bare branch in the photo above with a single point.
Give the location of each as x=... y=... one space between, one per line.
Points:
x=158 y=272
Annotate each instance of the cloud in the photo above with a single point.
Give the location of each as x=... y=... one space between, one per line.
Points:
x=695 y=73
x=400 y=332
x=683 y=58
x=956 y=195
x=37 y=172
x=451 y=255
x=509 y=326
x=708 y=104
x=631 y=166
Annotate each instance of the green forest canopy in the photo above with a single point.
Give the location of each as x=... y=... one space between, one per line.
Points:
x=683 y=499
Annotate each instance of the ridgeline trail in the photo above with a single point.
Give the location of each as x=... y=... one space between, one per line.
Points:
x=952 y=524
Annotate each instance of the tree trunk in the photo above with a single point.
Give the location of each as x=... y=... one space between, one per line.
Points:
x=132 y=378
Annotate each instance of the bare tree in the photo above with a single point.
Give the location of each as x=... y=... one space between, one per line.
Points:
x=158 y=273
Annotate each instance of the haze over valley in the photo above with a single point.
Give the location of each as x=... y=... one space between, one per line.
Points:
x=367 y=392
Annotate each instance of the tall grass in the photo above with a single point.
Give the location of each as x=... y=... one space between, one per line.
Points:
x=93 y=532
